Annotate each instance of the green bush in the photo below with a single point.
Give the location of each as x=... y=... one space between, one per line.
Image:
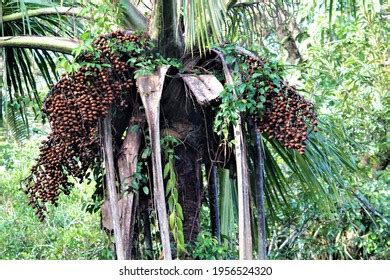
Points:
x=69 y=232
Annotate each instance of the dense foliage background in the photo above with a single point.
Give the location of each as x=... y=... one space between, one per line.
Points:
x=345 y=68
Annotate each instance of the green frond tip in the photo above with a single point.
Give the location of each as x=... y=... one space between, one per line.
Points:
x=204 y=23
x=14 y=123
x=319 y=172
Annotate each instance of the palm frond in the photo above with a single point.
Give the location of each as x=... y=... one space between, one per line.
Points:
x=204 y=23
x=251 y=22
x=13 y=121
x=228 y=205
x=26 y=69
x=318 y=172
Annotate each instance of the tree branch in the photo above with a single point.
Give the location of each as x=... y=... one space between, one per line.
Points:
x=56 y=44
x=366 y=204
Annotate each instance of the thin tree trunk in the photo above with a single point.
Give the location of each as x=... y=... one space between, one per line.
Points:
x=150 y=88
x=110 y=182
x=213 y=184
x=2 y=66
x=2 y=78
x=260 y=182
x=127 y=166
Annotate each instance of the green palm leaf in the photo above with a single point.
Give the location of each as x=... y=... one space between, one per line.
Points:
x=204 y=22
x=25 y=68
x=319 y=172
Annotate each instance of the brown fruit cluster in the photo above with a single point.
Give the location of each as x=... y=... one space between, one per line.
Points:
x=74 y=107
x=287 y=118
x=254 y=64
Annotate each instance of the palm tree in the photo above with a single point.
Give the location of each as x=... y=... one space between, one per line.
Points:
x=249 y=170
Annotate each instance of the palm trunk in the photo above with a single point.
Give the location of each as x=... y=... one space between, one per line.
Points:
x=189 y=181
x=134 y=19
x=170 y=38
x=213 y=183
x=184 y=120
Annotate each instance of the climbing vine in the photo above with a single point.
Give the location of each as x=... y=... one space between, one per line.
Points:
x=176 y=216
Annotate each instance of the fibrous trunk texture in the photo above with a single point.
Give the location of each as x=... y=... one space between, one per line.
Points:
x=244 y=216
x=184 y=119
x=213 y=183
x=187 y=166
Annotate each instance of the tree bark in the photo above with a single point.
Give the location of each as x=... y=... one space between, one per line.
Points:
x=184 y=119
x=110 y=182
x=2 y=79
x=127 y=166
x=55 y=44
x=170 y=38
x=150 y=88
x=187 y=166
x=213 y=183
x=285 y=33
